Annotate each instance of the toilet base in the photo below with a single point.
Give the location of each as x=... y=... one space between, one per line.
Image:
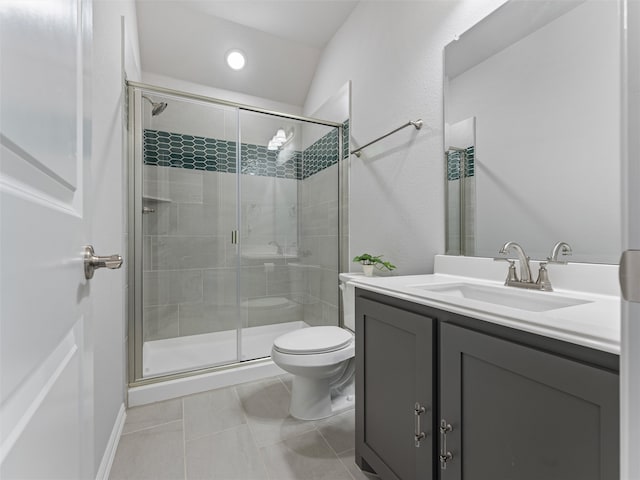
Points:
x=310 y=398
x=313 y=399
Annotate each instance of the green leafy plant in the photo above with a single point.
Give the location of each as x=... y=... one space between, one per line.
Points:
x=367 y=259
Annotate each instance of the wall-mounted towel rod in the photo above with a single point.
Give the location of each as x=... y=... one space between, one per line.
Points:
x=416 y=123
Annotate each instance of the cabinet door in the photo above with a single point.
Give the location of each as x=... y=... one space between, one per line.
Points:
x=394 y=362
x=520 y=413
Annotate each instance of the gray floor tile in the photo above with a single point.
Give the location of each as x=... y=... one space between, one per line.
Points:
x=228 y=455
x=339 y=431
x=152 y=415
x=154 y=453
x=242 y=432
x=266 y=405
x=305 y=457
x=211 y=412
x=348 y=459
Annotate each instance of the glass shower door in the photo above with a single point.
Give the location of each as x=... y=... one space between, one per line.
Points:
x=233 y=228
x=288 y=228
x=189 y=305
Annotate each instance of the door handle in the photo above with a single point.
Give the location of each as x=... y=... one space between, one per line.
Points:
x=629 y=274
x=93 y=261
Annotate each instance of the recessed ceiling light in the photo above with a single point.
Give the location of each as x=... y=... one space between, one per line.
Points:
x=236 y=59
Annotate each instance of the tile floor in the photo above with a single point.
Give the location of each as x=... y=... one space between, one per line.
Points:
x=235 y=433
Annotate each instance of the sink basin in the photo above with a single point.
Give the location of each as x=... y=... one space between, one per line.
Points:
x=531 y=301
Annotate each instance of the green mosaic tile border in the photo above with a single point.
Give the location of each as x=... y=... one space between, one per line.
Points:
x=454 y=167
x=345 y=139
x=258 y=160
x=321 y=154
x=167 y=149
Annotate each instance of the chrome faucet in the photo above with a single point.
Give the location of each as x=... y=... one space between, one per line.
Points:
x=525 y=281
x=525 y=268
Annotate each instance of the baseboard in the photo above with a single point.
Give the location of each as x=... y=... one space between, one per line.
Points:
x=112 y=446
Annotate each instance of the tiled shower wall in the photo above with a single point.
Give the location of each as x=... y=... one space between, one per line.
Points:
x=461 y=238
x=189 y=263
x=318 y=197
x=185 y=252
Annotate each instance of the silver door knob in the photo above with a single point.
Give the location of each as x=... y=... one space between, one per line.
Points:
x=92 y=261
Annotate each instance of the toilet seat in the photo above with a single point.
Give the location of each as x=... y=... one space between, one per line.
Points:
x=313 y=340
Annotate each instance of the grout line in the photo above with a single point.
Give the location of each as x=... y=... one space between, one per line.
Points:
x=212 y=434
x=251 y=432
x=347 y=468
x=337 y=454
x=283 y=383
x=152 y=426
x=328 y=444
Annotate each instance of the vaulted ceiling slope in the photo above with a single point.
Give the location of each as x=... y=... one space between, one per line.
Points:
x=282 y=40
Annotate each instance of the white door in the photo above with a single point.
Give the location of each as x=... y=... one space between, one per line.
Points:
x=630 y=356
x=46 y=379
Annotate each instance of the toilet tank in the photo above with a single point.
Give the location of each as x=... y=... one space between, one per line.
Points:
x=348 y=292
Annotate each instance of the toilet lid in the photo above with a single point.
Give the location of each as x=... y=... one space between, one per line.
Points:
x=313 y=340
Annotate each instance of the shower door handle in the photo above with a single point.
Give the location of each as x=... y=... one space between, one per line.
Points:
x=92 y=262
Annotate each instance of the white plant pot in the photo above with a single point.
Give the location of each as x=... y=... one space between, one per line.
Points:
x=368 y=270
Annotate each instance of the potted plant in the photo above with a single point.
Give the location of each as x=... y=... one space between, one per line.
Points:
x=368 y=262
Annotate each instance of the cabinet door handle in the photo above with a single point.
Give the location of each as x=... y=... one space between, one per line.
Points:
x=418 y=433
x=445 y=456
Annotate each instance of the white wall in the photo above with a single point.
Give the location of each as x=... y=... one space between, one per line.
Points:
x=191 y=118
x=219 y=93
x=392 y=53
x=108 y=211
x=206 y=120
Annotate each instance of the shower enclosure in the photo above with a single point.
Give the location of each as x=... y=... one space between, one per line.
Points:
x=233 y=230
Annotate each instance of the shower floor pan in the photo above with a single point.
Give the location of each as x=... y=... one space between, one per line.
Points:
x=181 y=354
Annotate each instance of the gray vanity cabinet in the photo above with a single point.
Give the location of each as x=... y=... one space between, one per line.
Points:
x=515 y=405
x=517 y=412
x=394 y=364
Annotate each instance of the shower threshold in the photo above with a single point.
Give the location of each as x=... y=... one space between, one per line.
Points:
x=182 y=354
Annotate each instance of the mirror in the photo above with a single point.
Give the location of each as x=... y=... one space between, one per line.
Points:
x=532 y=131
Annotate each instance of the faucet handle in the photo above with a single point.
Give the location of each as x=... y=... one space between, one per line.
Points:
x=512 y=276
x=560 y=248
x=543 y=278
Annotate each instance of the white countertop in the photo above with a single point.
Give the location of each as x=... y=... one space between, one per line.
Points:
x=595 y=324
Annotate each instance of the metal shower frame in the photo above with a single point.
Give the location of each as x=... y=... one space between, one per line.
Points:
x=133 y=102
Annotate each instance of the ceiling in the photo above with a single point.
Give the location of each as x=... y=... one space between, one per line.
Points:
x=282 y=40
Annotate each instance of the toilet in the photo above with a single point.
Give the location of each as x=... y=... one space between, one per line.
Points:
x=322 y=361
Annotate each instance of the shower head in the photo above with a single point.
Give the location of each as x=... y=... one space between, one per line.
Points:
x=156 y=107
